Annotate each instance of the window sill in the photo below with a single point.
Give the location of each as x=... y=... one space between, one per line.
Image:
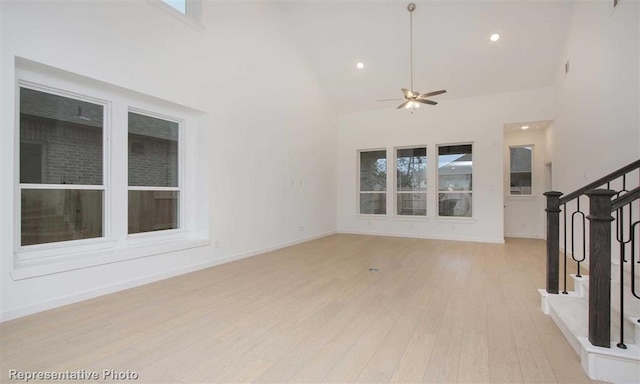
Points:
x=410 y=218
x=25 y=269
x=446 y=219
x=372 y=216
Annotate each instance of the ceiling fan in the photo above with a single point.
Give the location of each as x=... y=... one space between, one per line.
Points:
x=413 y=99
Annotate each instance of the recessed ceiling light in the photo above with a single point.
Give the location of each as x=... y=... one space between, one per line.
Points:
x=525 y=127
x=495 y=37
x=360 y=65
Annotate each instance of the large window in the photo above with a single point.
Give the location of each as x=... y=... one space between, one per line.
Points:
x=373 y=182
x=411 y=181
x=153 y=173
x=455 y=181
x=520 y=160
x=61 y=184
x=100 y=169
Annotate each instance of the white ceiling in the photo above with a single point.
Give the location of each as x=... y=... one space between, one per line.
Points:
x=452 y=50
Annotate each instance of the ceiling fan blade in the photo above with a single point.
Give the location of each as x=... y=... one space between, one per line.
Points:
x=423 y=101
x=407 y=93
x=390 y=100
x=432 y=93
x=402 y=105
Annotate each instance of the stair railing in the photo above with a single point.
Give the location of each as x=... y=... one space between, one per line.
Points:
x=597 y=223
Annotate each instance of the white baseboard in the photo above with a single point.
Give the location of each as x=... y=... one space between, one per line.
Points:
x=524 y=235
x=431 y=237
x=89 y=294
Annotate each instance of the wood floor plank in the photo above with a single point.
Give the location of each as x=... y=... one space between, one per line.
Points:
x=436 y=311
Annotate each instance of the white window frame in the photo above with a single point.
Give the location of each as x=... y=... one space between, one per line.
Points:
x=438 y=191
x=192 y=16
x=532 y=170
x=360 y=192
x=30 y=252
x=131 y=237
x=115 y=245
x=395 y=181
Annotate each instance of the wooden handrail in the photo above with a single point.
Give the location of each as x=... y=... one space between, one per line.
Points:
x=601 y=181
x=625 y=199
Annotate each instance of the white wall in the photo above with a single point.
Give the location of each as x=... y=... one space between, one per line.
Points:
x=597 y=126
x=270 y=133
x=524 y=215
x=479 y=120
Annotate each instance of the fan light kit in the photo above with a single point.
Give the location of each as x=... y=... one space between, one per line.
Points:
x=495 y=37
x=413 y=99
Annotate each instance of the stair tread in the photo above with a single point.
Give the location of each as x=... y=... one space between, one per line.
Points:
x=573 y=311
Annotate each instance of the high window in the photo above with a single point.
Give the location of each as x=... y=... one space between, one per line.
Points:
x=178 y=5
x=373 y=182
x=455 y=180
x=411 y=181
x=189 y=11
x=520 y=160
x=62 y=167
x=153 y=173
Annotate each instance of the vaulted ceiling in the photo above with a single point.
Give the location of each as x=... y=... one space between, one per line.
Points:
x=452 y=49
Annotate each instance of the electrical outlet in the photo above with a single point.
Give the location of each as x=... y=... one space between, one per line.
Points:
x=301 y=228
x=216 y=244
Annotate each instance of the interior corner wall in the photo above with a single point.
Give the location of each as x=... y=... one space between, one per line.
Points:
x=597 y=126
x=270 y=130
x=478 y=120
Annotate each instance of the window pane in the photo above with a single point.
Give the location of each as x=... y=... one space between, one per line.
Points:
x=520 y=170
x=454 y=204
x=412 y=204
x=153 y=151
x=455 y=165
x=373 y=203
x=373 y=171
x=179 y=5
x=412 y=169
x=152 y=210
x=60 y=139
x=52 y=215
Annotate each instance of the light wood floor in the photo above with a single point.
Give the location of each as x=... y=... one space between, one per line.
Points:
x=436 y=311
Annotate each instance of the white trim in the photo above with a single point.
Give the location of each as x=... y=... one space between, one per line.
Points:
x=34 y=251
x=62 y=186
x=115 y=244
x=193 y=16
x=386 y=187
x=28 y=310
x=524 y=235
x=455 y=219
x=181 y=164
x=425 y=236
x=61 y=248
x=438 y=191
x=169 y=189
x=153 y=236
x=108 y=256
x=395 y=180
x=533 y=175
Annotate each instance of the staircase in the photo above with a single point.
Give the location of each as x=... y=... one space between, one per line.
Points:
x=600 y=317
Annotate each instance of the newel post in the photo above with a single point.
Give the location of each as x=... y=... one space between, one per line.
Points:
x=600 y=266
x=553 y=240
